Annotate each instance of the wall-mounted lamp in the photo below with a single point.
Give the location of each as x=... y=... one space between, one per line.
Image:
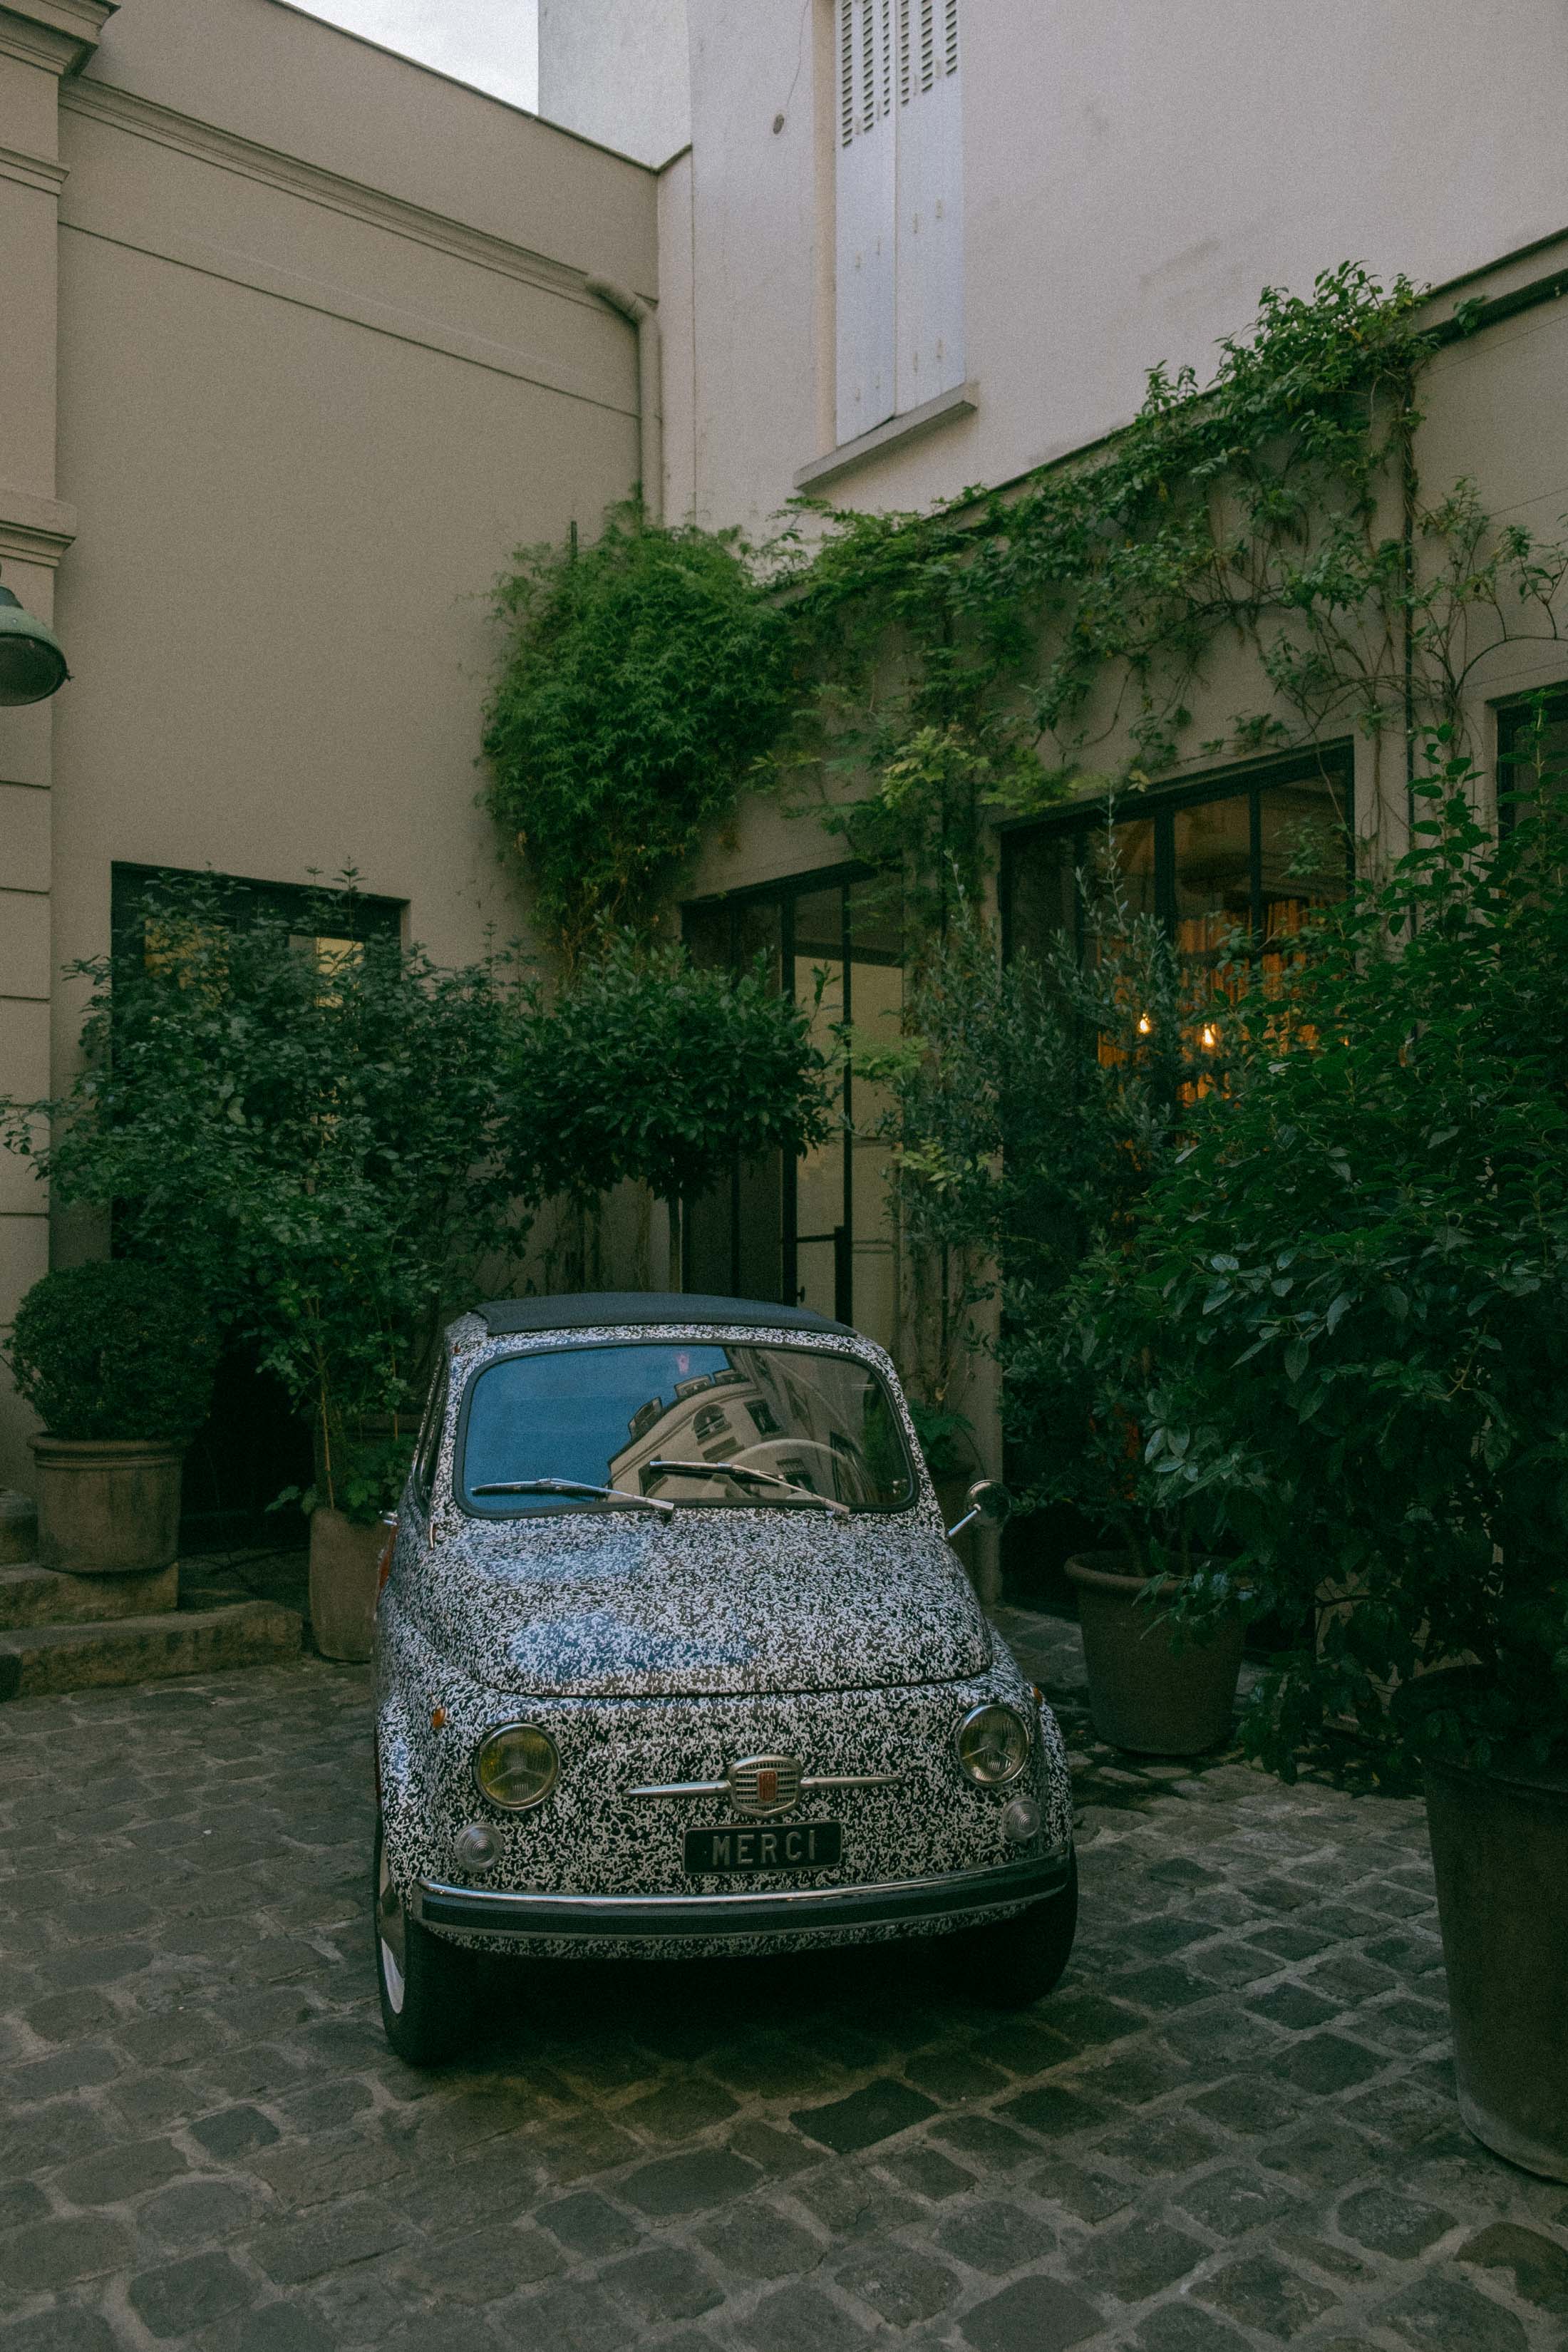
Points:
x=32 y=666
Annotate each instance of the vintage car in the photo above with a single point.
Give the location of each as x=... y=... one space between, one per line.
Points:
x=674 y=1658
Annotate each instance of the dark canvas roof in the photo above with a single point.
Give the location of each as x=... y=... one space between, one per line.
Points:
x=576 y=1310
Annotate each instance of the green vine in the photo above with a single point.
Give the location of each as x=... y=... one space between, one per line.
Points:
x=993 y=653
x=642 y=678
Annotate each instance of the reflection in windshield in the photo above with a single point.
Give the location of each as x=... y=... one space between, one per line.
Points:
x=822 y=1422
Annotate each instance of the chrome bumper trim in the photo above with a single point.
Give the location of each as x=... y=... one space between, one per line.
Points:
x=587 y=1918
x=810 y=1781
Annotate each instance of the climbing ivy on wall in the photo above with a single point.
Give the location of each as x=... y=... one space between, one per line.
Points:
x=641 y=679
x=909 y=677
x=1005 y=649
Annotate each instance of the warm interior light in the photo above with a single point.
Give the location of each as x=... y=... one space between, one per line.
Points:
x=1144 y=1025
x=1209 y=1038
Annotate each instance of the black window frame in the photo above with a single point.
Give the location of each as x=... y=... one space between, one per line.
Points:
x=1510 y=718
x=243 y=899
x=1334 y=763
x=785 y=892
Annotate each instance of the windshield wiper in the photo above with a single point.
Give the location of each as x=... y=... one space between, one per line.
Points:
x=745 y=1474
x=569 y=1486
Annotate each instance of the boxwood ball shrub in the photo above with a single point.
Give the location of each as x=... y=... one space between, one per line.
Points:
x=114 y=1349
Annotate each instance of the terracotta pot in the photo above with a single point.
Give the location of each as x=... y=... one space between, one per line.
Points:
x=108 y=1507
x=1144 y=1694
x=344 y=1561
x=1499 y=1848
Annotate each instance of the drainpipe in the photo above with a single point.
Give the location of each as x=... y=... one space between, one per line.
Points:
x=650 y=391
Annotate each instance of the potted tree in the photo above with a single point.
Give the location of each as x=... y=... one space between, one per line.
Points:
x=1033 y=1107
x=1355 y=1287
x=117 y=1360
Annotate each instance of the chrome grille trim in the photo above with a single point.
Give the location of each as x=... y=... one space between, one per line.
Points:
x=660 y=1788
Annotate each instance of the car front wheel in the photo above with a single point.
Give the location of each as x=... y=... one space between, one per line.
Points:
x=1021 y=1959
x=426 y=1986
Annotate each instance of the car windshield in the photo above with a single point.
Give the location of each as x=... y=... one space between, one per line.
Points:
x=661 y=1419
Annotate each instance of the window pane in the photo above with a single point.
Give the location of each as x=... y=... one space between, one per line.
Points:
x=819 y=1173
x=1132 y=844
x=706 y=931
x=1213 y=857
x=876 y=1008
x=1304 y=852
x=759 y=928
x=1042 y=890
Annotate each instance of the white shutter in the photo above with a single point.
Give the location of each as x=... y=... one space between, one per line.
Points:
x=929 y=303
x=864 y=203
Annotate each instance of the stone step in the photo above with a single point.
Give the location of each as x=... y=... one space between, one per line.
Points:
x=32 y=1595
x=39 y=1659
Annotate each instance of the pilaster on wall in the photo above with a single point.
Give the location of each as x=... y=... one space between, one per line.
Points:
x=40 y=42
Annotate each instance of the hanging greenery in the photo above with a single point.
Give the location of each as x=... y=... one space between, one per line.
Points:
x=643 y=677
x=1013 y=645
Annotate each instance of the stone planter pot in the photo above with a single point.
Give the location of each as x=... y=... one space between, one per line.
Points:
x=1499 y=1848
x=1143 y=1694
x=344 y=1561
x=18 y=1528
x=107 y=1506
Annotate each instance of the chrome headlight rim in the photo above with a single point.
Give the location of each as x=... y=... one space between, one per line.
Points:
x=993 y=1707
x=499 y=1731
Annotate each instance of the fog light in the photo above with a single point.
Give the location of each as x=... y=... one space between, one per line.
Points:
x=1021 y=1820
x=475 y=1847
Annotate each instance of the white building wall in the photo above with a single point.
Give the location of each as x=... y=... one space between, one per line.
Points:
x=616 y=70
x=1132 y=175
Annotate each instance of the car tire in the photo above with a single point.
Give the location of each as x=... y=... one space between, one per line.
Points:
x=1022 y=1959
x=426 y=1985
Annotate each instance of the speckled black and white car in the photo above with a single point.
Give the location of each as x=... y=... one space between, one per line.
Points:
x=674 y=1658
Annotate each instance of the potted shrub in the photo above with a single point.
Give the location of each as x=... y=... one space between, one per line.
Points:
x=359 y=1482
x=118 y=1361
x=1355 y=1292
x=1163 y=1622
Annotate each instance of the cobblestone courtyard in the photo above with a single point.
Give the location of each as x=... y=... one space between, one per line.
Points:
x=1231 y=2126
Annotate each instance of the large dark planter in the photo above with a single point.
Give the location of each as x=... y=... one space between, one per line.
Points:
x=1144 y=1694
x=1500 y=1847
x=108 y=1507
x=345 y=1560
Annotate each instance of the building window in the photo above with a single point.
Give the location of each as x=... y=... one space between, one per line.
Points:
x=1523 y=741
x=134 y=893
x=1251 y=854
x=814 y=1231
x=900 y=209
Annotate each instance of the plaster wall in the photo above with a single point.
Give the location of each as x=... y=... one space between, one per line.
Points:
x=618 y=73
x=1133 y=176
x=324 y=357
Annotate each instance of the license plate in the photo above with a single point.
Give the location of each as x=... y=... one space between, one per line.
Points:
x=795 y=1845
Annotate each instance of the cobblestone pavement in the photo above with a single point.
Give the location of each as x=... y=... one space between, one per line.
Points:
x=1231 y=2124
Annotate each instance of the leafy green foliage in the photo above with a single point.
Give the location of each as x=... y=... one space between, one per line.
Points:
x=1342 y=1326
x=114 y=1349
x=644 y=1067
x=1029 y=1112
x=314 y=1153
x=368 y=1480
x=983 y=653
x=332 y=1159
x=643 y=679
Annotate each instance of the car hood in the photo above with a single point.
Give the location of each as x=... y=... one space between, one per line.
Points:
x=706 y=1603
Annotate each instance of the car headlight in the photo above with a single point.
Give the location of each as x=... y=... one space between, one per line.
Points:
x=992 y=1745
x=516 y=1766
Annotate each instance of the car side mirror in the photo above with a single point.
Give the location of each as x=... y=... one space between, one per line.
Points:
x=987 y=1499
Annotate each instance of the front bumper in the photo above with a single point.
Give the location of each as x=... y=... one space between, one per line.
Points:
x=955 y=1897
